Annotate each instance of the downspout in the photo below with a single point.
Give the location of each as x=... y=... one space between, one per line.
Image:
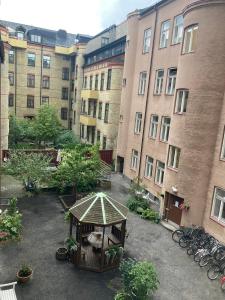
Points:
x=148 y=88
x=41 y=72
x=15 y=79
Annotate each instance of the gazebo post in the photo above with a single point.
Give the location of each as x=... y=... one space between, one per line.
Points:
x=102 y=250
x=71 y=224
x=123 y=231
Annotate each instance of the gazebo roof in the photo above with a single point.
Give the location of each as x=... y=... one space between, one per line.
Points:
x=99 y=209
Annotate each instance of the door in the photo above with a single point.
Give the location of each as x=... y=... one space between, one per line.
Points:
x=172 y=210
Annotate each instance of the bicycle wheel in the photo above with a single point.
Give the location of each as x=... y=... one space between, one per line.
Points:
x=213 y=272
x=197 y=256
x=184 y=242
x=190 y=251
x=204 y=261
x=177 y=234
x=219 y=254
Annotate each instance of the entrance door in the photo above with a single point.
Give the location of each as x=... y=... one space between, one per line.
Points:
x=172 y=210
x=120 y=164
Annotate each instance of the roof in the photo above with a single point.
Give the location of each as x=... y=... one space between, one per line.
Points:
x=49 y=37
x=99 y=209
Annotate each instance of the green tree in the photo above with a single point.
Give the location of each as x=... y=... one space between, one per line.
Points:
x=20 y=130
x=66 y=139
x=47 y=125
x=31 y=168
x=79 y=168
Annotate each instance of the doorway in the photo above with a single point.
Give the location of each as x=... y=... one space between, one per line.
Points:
x=120 y=164
x=173 y=212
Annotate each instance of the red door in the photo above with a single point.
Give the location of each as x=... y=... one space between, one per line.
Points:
x=172 y=210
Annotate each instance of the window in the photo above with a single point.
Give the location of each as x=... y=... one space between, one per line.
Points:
x=100 y=110
x=174 y=156
x=46 y=61
x=165 y=129
x=11 y=78
x=45 y=82
x=178 y=29
x=164 y=35
x=104 y=41
x=138 y=120
x=98 y=136
x=106 y=118
x=159 y=82
x=147 y=40
x=222 y=155
x=45 y=100
x=74 y=117
x=35 y=38
x=104 y=142
x=109 y=76
x=148 y=166
x=65 y=93
x=218 y=207
x=134 y=159
x=11 y=100
x=102 y=81
x=190 y=39
x=31 y=59
x=153 y=126
x=31 y=80
x=171 y=81
x=159 y=175
x=64 y=112
x=96 y=82
x=124 y=82
x=181 y=101
x=82 y=129
x=11 y=56
x=65 y=73
x=65 y=57
x=30 y=101
x=85 y=82
x=142 y=83
x=76 y=71
x=83 y=106
x=91 y=80
x=20 y=35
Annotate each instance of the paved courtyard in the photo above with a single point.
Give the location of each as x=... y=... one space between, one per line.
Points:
x=44 y=231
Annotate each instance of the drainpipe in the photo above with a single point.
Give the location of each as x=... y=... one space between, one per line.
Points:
x=15 y=49
x=148 y=88
x=41 y=72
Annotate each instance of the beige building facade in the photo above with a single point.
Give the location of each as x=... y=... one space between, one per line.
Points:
x=171 y=132
x=97 y=109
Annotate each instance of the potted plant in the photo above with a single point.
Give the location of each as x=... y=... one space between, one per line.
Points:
x=61 y=253
x=184 y=206
x=24 y=274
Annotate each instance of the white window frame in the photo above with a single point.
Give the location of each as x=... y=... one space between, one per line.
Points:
x=35 y=38
x=159 y=82
x=222 y=154
x=138 y=123
x=46 y=61
x=189 y=29
x=222 y=203
x=147 y=40
x=171 y=81
x=153 y=128
x=165 y=129
x=181 y=101
x=178 y=28
x=160 y=172
x=134 y=159
x=164 y=34
x=149 y=161
x=174 y=157
x=142 y=83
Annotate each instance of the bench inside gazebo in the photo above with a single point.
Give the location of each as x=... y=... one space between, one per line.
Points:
x=100 y=229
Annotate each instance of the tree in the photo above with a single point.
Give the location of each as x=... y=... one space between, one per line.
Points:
x=66 y=139
x=20 y=130
x=31 y=168
x=47 y=125
x=79 y=168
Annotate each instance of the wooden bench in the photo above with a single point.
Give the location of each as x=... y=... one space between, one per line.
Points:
x=7 y=291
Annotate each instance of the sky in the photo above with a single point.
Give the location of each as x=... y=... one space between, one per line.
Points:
x=75 y=16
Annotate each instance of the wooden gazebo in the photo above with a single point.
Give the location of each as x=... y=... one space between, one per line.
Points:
x=100 y=228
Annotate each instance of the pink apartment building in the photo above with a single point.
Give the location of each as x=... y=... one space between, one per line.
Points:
x=172 y=115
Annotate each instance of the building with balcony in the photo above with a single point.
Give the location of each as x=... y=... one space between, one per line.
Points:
x=172 y=113
x=97 y=109
x=42 y=66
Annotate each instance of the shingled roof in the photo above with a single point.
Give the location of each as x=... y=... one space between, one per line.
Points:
x=99 y=209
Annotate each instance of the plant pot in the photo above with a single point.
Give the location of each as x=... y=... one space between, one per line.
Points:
x=23 y=279
x=62 y=254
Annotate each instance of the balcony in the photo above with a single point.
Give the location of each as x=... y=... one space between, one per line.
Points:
x=89 y=94
x=14 y=42
x=87 y=120
x=65 y=50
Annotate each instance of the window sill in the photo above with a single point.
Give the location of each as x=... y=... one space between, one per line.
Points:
x=222 y=159
x=166 y=94
x=154 y=94
x=141 y=94
x=133 y=170
x=148 y=178
x=217 y=221
x=179 y=114
x=158 y=184
x=137 y=133
x=175 y=44
x=31 y=86
x=172 y=169
x=160 y=48
x=163 y=142
x=151 y=138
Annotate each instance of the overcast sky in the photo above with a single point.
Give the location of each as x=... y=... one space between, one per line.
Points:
x=75 y=16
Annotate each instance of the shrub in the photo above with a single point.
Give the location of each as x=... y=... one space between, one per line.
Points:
x=139 y=279
x=150 y=214
x=134 y=203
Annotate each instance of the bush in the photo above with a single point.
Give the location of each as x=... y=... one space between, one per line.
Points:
x=134 y=203
x=122 y=296
x=139 y=279
x=66 y=139
x=150 y=214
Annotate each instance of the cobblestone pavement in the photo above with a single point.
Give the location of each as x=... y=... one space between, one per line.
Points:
x=44 y=231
